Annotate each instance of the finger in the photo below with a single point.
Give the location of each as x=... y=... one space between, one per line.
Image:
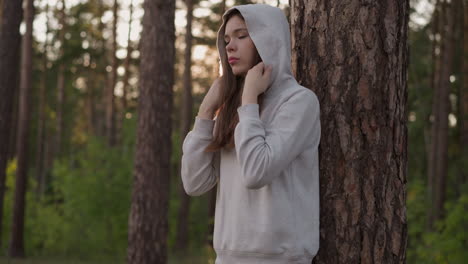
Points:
x=259 y=67
x=256 y=70
x=268 y=70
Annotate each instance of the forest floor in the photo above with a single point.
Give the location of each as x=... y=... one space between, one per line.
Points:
x=172 y=260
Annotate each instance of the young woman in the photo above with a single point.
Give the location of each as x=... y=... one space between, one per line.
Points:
x=256 y=136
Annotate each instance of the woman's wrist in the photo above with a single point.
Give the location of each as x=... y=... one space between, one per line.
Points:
x=248 y=98
x=205 y=113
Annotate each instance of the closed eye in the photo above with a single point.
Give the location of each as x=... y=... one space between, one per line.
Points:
x=241 y=37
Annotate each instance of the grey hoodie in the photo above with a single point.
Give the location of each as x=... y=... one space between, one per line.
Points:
x=267 y=207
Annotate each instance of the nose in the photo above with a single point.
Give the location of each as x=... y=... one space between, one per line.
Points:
x=230 y=46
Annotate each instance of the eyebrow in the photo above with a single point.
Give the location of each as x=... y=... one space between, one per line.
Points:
x=235 y=31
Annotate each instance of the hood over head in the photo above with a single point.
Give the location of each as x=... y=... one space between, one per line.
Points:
x=269 y=30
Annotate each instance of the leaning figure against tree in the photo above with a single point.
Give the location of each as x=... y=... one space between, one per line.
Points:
x=257 y=134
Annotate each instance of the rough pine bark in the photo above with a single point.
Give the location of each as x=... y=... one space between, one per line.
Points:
x=148 y=226
x=10 y=37
x=354 y=56
x=16 y=248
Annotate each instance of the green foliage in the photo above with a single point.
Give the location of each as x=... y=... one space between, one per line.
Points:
x=8 y=203
x=85 y=214
x=94 y=190
x=416 y=215
x=448 y=243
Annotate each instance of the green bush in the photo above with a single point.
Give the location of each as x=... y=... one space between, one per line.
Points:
x=448 y=243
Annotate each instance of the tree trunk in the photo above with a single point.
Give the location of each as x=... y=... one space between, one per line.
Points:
x=16 y=248
x=187 y=106
x=127 y=65
x=441 y=109
x=110 y=104
x=464 y=97
x=102 y=81
x=39 y=162
x=9 y=71
x=1 y=12
x=437 y=25
x=14 y=114
x=89 y=101
x=57 y=150
x=354 y=56
x=148 y=225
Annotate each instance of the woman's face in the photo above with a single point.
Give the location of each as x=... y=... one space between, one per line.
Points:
x=240 y=48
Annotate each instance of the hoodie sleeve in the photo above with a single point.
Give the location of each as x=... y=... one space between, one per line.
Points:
x=199 y=169
x=264 y=153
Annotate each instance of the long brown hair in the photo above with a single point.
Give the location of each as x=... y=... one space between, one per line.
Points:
x=230 y=97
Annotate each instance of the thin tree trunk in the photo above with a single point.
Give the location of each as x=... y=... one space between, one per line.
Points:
x=187 y=106
x=127 y=65
x=441 y=116
x=110 y=104
x=437 y=26
x=9 y=72
x=60 y=106
x=354 y=56
x=57 y=150
x=14 y=114
x=102 y=81
x=90 y=102
x=464 y=98
x=458 y=29
x=148 y=226
x=39 y=163
x=16 y=248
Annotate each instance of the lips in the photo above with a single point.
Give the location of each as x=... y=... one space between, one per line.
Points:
x=233 y=60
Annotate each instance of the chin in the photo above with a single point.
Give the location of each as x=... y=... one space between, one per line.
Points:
x=239 y=73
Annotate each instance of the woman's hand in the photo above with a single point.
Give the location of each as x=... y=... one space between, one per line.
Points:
x=256 y=83
x=210 y=102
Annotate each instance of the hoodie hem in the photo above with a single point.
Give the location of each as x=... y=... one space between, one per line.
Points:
x=236 y=257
